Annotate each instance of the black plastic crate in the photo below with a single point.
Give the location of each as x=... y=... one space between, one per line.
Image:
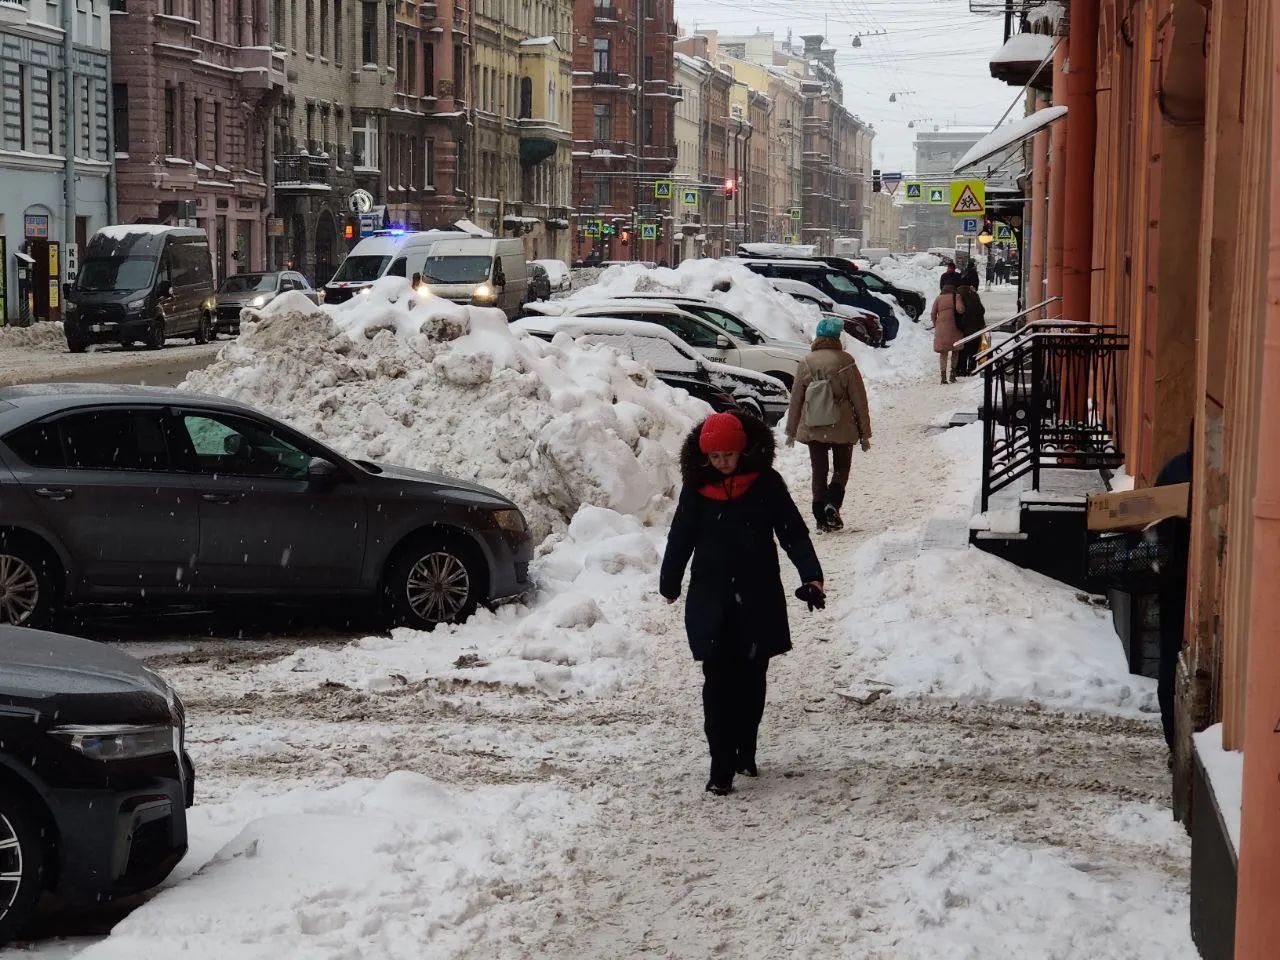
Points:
x=1134 y=562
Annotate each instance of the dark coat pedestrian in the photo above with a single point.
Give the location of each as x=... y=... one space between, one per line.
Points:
x=970 y=320
x=950 y=277
x=970 y=276
x=731 y=507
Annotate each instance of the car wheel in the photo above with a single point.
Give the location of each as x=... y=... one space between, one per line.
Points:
x=752 y=406
x=155 y=334
x=27 y=583
x=22 y=861
x=912 y=310
x=435 y=580
x=204 y=329
x=76 y=345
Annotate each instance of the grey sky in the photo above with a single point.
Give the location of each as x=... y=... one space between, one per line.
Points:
x=933 y=55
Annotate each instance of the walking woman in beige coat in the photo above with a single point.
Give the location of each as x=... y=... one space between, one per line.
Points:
x=946 y=331
x=829 y=419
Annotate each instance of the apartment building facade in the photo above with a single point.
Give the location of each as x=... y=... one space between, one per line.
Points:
x=194 y=87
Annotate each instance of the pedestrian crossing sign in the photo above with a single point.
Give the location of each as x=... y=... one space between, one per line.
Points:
x=593 y=228
x=648 y=231
x=662 y=189
x=935 y=195
x=1003 y=232
x=914 y=191
x=968 y=198
x=689 y=197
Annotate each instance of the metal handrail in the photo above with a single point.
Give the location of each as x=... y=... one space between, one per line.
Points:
x=986 y=357
x=1000 y=323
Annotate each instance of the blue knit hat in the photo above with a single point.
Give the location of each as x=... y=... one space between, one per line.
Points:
x=830 y=327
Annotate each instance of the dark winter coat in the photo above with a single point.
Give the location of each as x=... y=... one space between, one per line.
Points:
x=736 y=599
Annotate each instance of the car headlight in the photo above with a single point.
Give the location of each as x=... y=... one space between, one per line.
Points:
x=136 y=304
x=511 y=520
x=118 y=741
x=483 y=294
x=259 y=301
x=365 y=291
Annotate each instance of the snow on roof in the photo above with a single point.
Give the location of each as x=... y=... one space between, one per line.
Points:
x=122 y=230
x=466 y=226
x=1008 y=136
x=778 y=249
x=1025 y=48
x=537 y=41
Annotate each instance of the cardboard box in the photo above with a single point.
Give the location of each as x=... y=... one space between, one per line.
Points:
x=1135 y=509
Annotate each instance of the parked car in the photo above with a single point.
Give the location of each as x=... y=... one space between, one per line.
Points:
x=95 y=779
x=256 y=290
x=674 y=362
x=486 y=273
x=558 y=272
x=747 y=349
x=111 y=493
x=860 y=324
x=707 y=309
x=141 y=283
x=911 y=301
x=841 y=285
x=539 y=283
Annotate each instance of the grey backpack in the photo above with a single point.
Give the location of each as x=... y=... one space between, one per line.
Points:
x=820 y=408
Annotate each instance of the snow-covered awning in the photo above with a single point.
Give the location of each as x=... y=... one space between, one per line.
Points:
x=1002 y=139
x=1024 y=60
x=466 y=226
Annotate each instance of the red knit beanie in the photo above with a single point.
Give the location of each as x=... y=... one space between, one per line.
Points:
x=722 y=433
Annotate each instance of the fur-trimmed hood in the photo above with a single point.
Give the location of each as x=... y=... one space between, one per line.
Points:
x=697 y=472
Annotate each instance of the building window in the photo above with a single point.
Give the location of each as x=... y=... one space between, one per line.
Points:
x=459 y=74
x=364 y=141
x=428 y=69
x=526 y=98
x=217 y=133
x=600 y=55
x=215 y=18
x=401 y=79
x=603 y=125
x=648 y=68
x=648 y=126
x=310 y=26
x=120 y=116
x=431 y=163
x=411 y=67
x=369 y=34
x=197 y=122
x=293 y=25
x=168 y=7
x=170 y=121
x=603 y=193
x=277 y=23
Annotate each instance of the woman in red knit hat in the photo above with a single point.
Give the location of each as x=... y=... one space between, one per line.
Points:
x=732 y=505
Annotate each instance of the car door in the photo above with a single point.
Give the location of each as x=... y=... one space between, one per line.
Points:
x=264 y=526
x=699 y=334
x=103 y=480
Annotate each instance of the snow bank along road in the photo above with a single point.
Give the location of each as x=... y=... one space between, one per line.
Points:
x=38 y=354
x=954 y=764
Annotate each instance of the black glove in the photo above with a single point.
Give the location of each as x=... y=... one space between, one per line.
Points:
x=811 y=595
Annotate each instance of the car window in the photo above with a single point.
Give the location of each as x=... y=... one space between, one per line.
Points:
x=236 y=446
x=398 y=268
x=37 y=445
x=843 y=283
x=725 y=321
x=873 y=282
x=686 y=328
x=107 y=440
x=662 y=355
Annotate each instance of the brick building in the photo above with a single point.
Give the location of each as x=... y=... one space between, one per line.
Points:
x=194 y=83
x=623 y=124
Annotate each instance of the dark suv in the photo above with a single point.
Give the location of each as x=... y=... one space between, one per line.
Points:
x=95 y=779
x=128 y=493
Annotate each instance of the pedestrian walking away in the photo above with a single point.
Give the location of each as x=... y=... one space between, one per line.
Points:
x=945 y=332
x=970 y=275
x=969 y=321
x=829 y=413
x=732 y=505
x=949 y=277
x=991 y=271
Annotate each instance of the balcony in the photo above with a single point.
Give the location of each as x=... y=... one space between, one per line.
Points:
x=605 y=13
x=604 y=78
x=301 y=173
x=260 y=68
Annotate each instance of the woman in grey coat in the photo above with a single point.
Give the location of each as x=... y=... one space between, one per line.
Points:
x=830 y=446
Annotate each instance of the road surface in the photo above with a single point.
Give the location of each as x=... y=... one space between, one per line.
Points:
x=49 y=362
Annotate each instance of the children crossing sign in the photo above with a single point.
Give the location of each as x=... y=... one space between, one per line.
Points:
x=662 y=189
x=968 y=198
x=914 y=191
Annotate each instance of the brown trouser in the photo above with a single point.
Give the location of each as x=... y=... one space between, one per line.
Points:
x=832 y=491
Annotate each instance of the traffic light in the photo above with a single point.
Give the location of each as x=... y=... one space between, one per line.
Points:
x=349 y=231
x=626 y=237
x=875 y=181
x=730 y=187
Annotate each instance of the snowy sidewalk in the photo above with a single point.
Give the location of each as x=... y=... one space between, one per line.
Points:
x=954 y=764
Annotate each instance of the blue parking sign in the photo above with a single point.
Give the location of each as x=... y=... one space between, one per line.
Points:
x=970 y=225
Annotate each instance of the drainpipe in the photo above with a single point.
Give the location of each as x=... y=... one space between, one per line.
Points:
x=1077 y=262
x=69 y=131
x=1039 y=211
x=1057 y=170
x=112 y=213
x=1258 y=874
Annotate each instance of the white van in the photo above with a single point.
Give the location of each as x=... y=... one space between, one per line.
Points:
x=374 y=256
x=487 y=273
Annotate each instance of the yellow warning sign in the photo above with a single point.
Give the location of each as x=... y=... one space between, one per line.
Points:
x=968 y=198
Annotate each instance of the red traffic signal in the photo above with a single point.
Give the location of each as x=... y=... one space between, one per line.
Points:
x=730 y=187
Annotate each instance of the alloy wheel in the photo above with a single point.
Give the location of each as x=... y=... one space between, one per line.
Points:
x=10 y=865
x=438 y=587
x=19 y=594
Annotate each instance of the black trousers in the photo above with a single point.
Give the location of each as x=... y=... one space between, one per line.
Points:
x=838 y=458
x=968 y=355
x=1173 y=609
x=733 y=692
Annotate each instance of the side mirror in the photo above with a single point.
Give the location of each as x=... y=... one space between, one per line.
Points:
x=723 y=342
x=321 y=473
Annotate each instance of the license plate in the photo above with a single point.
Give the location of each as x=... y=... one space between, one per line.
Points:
x=96 y=328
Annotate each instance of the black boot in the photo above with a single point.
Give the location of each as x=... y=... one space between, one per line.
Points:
x=831 y=509
x=721 y=788
x=747 y=764
x=820 y=518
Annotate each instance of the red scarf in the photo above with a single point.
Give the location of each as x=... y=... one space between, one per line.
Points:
x=730 y=488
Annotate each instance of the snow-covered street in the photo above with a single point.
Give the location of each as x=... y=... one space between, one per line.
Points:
x=955 y=762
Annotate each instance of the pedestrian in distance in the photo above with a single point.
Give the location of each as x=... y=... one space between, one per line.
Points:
x=732 y=505
x=945 y=332
x=969 y=320
x=991 y=270
x=829 y=414
x=949 y=276
x=970 y=276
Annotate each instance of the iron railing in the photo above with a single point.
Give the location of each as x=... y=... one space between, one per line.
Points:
x=1051 y=401
x=301 y=170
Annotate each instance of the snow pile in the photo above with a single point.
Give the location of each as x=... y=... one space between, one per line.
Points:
x=581 y=638
x=748 y=294
x=402 y=867
x=43 y=335
x=1225 y=769
x=420 y=382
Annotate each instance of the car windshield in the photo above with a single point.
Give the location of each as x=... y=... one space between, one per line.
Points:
x=457 y=269
x=116 y=273
x=363 y=269
x=725 y=321
x=872 y=281
x=250 y=283
x=843 y=283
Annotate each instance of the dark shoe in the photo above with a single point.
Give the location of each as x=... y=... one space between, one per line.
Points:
x=832 y=517
x=721 y=788
x=747 y=767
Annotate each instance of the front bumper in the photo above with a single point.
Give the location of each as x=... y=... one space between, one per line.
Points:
x=127 y=837
x=509 y=556
x=107 y=329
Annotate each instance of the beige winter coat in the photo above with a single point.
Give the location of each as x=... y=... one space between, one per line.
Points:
x=828 y=360
x=946 y=331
